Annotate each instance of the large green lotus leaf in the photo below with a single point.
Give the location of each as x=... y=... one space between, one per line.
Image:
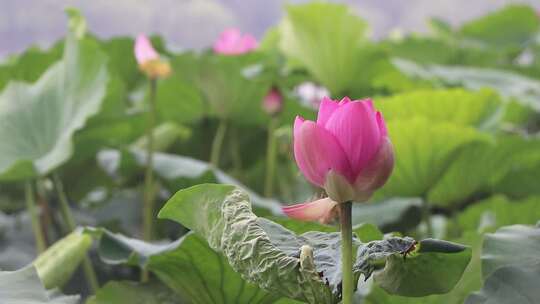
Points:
x=326 y=39
x=304 y=267
x=480 y=109
x=177 y=171
x=164 y=136
x=516 y=245
x=381 y=76
x=444 y=50
x=29 y=65
x=394 y=214
x=436 y=270
x=134 y=293
x=187 y=266
x=476 y=167
x=56 y=265
x=522 y=179
x=364 y=231
x=24 y=287
x=231 y=85
x=513 y=26
x=510 y=266
x=516 y=285
x=121 y=62
x=498 y=211
x=37 y=121
x=433 y=50
x=508 y=84
x=470 y=281
x=178 y=101
x=424 y=150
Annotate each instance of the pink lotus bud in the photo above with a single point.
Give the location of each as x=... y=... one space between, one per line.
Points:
x=321 y=210
x=149 y=60
x=144 y=51
x=347 y=151
x=273 y=102
x=232 y=42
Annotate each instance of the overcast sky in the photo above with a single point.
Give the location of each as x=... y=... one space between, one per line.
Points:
x=196 y=23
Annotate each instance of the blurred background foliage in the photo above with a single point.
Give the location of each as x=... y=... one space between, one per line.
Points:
x=461 y=101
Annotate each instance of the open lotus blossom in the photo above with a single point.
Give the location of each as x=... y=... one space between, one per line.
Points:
x=232 y=42
x=346 y=151
x=273 y=102
x=149 y=60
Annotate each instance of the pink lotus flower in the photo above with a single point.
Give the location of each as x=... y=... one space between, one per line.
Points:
x=346 y=151
x=144 y=51
x=273 y=102
x=232 y=42
x=149 y=60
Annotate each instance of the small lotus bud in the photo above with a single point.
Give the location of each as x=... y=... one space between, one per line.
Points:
x=149 y=60
x=273 y=102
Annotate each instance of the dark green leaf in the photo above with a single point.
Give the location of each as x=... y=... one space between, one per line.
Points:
x=187 y=266
x=498 y=211
x=134 y=293
x=510 y=266
x=326 y=39
x=512 y=26
x=282 y=262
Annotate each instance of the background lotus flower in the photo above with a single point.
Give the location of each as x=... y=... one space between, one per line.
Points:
x=273 y=102
x=232 y=42
x=148 y=59
x=346 y=151
x=144 y=51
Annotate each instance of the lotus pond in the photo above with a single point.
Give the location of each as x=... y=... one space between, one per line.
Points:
x=313 y=166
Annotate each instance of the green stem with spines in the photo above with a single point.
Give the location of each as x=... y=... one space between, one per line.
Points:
x=426 y=217
x=148 y=195
x=34 y=217
x=347 y=285
x=270 y=159
x=217 y=143
x=70 y=225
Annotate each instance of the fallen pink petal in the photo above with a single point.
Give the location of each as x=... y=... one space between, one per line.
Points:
x=321 y=210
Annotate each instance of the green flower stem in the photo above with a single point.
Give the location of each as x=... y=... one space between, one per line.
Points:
x=426 y=217
x=34 y=217
x=217 y=143
x=270 y=159
x=67 y=216
x=69 y=221
x=148 y=201
x=346 y=252
x=235 y=153
x=148 y=196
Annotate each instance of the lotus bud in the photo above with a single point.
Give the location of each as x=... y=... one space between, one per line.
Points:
x=149 y=60
x=273 y=102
